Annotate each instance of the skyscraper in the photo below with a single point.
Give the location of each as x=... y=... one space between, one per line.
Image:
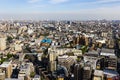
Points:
x=78 y=72
x=87 y=73
x=52 y=65
x=2 y=43
x=6 y=68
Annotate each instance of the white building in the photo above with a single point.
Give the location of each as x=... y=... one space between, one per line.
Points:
x=25 y=70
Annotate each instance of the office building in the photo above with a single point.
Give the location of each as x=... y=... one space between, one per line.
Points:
x=25 y=70
x=98 y=75
x=52 y=66
x=78 y=72
x=52 y=54
x=66 y=61
x=87 y=73
x=6 y=68
x=111 y=62
x=2 y=76
x=2 y=43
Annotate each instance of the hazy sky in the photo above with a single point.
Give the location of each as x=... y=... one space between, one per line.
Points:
x=60 y=9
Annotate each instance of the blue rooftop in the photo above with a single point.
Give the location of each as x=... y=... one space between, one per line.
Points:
x=46 y=40
x=110 y=71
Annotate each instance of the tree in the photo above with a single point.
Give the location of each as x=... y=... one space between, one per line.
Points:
x=84 y=49
x=9 y=39
x=32 y=74
x=9 y=55
x=2 y=60
x=27 y=57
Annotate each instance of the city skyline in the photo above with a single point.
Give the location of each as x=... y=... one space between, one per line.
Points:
x=60 y=9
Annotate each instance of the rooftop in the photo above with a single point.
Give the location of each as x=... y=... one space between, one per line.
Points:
x=110 y=72
x=24 y=66
x=104 y=50
x=98 y=73
x=5 y=64
x=12 y=79
x=37 y=76
x=46 y=40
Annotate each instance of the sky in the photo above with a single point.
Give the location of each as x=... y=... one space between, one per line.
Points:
x=60 y=9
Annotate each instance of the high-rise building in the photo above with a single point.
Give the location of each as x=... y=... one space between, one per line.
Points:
x=2 y=76
x=25 y=70
x=111 y=62
x=66 y=61
x=110 y=43
x=78 y=72
x=98 y=75
x=52 y=59
x=87 y=73
x=86 y=41
x=6 y=68
x=52 y=65
x=52 y=54
x=2 y=43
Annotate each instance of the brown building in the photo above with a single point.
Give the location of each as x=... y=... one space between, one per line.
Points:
x=2 y=43
x=2 y=76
